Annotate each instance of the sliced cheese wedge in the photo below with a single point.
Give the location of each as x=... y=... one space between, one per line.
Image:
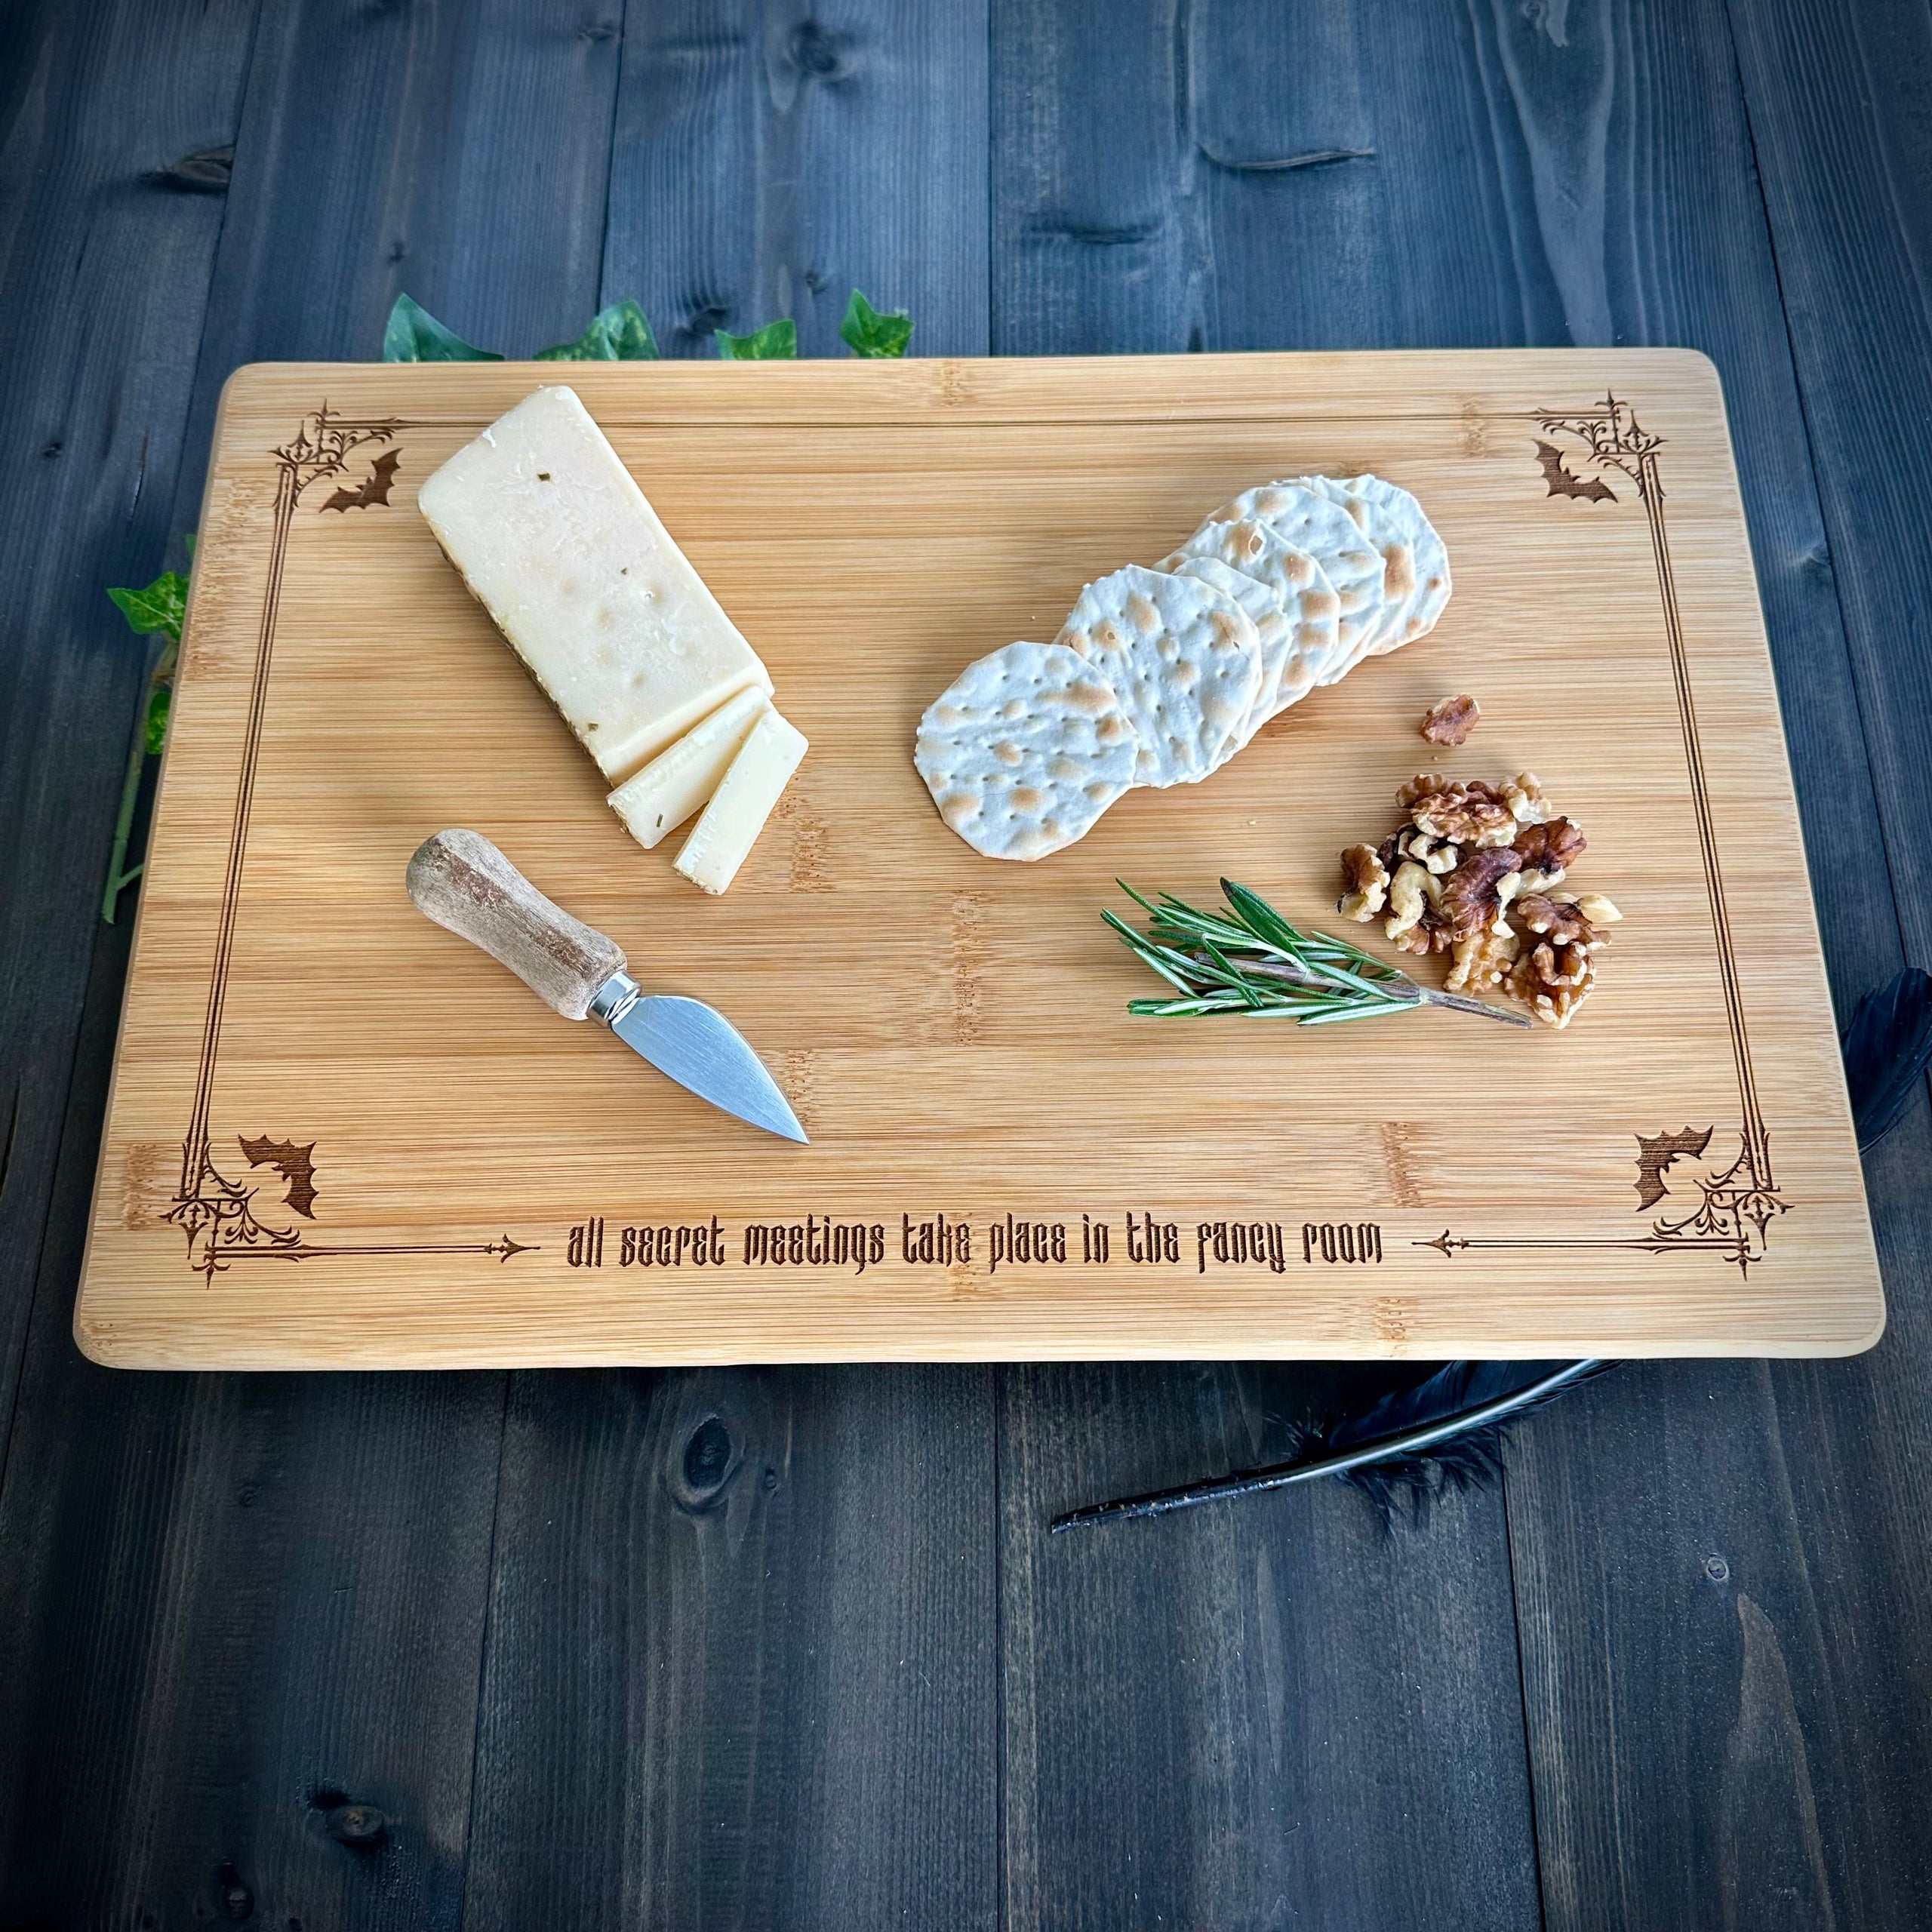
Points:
x=676 y=782
x=559 y=545
x=722 y=838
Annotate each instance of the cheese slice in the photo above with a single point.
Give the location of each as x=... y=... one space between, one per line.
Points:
x=722 y=838
x=676 y=782
x=559 y=545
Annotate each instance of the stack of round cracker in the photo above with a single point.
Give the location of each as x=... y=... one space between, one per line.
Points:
x=1159 y=676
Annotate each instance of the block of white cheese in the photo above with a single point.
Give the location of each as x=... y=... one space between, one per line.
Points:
x=559 y=545
x=678 y=780
x=743 y=802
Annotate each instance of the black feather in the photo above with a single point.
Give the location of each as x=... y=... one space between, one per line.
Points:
x=1444 y=1432
x=1887 y=1048
x=1467 y=1460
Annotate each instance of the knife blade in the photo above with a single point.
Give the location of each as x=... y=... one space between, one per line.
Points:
x=697 y=1047
x=462 y=882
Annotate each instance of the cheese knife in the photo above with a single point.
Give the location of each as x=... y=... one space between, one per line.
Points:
x=459 y=879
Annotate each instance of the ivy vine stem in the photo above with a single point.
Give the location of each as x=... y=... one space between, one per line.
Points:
x=120 y=874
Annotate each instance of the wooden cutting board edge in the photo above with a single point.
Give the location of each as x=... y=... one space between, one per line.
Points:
x=107 y=1339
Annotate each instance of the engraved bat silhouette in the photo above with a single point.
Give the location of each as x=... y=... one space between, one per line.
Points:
x=1591 y=489
x=1655 y=1153
x=295 y=1164
x=374 y=489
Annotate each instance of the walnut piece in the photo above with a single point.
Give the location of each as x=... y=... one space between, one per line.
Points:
x=1472 y=858
x=1524 y=796
x=1465 y=815
x=1482 y=962
x=1470 y=900
x=1451 y=719
x=1553 y=981
x=1366 y=881
x=1551 y=847
x=1560 y=921
x=1423 y=785
x=1408 y=899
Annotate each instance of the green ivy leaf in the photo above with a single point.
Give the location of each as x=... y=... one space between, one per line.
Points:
x=160 y=606
x=776 y=342
x=869 y=333
x=619 y=334
x=157 y=726
x=414 y=335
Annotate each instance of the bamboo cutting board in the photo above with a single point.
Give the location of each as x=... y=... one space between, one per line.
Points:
x=338 y=1136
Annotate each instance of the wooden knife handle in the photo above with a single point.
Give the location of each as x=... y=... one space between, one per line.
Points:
x=461 y=880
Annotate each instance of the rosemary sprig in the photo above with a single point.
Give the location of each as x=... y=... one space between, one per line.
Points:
x=1246 y=958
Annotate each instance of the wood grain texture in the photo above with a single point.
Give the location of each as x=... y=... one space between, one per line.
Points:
x=1299 y=1680
x=1768 y=1789
x=767 y=161
x=1295 y=1742
x=784 y=1541
x=1834 y=104
x=88 y=449
x=98 y=221
x=227 y=1603
x=460 y=153
x=1736 y=1744
x=1582 y=174
x=1561 y=610
x=741 y=1653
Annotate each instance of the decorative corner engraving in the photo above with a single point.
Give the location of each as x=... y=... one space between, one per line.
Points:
x=375 y=488
x=296 y=1165
x=1736 y=1206
x=1732 y=1219
x=1655 y=1154
x=216 y=1213
x=1562 y=483
x=321 y=448
x=1609 y=437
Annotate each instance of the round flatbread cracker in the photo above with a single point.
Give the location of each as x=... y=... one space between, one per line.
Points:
x=1308 y=520
x=1184 y=658
x=1295 y=652
x=1025 y=749
x=1417 y=585
x=1271 y=626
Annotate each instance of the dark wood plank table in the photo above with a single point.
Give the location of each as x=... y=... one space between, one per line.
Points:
x=790 y=1647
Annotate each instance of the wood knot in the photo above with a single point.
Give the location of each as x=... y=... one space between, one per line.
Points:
x=1398 y=1152
x=969 y=963
x=816 y=52
x=800 y=1082
x=358 y=1826
x=705 y=314
x=702 y=1471
x=234 y=1897
x=808 y=842
x=151 y=1171
x=1391 y=1315
x=206 y=171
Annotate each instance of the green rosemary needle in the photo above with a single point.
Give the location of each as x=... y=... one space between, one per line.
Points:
x=1246 y=958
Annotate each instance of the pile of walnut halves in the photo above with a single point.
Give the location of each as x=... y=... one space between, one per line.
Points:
x=1471 y=875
